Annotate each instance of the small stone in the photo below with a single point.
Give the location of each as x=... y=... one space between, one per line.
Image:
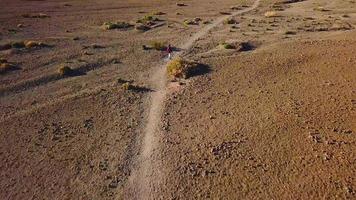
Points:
x=326 y=156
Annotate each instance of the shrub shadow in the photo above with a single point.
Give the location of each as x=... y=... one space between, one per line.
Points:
x=199 y=70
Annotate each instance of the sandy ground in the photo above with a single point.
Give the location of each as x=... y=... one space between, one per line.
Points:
x=273 y=120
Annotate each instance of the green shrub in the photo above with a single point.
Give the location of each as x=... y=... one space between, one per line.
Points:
x=227 y=45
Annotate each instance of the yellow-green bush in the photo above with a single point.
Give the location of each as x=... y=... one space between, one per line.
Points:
x=180 y=68
x=159 y=46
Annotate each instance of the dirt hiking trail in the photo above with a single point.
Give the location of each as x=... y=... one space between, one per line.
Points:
x=146 y=179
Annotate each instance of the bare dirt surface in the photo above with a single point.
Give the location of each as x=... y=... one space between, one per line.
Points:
x=273 y=118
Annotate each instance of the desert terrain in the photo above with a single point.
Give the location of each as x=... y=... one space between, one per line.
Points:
x=92 y=108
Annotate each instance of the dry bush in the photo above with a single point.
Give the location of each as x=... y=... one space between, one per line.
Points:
x=5 y=46
x=159 y=46
x=18 y=44
x=22 y=44
x=147 y=19
x=5 y=66
x=142 y=27
x=65 y=71
x=116 y=25
x=158 y=13
x=38 y=15
x=290 y=32
x=271 y=14
x=181 y=4
x=225 y=13
x=31 y=44
x=194 y=21
x=230 y=21
x=127 y=86
x=235 y=8
x=180 y=68
x=3 y=60
x=226 y=45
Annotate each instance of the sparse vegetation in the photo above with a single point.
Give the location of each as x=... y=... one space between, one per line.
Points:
x=226 y=45
x=195 y=21
x=158 y=13
x=320 y=8
x=18 y=45
x=5 y=46
x=235 y=8
x=5 y=66
x=38 y=15
x=180 y=68
x=116 y=25
x=65 y=71
x=181 y=4
x=31 y=44
x=269 y=14
x=142 y=27
x=157 y=45
x=22 y=44
x=127 y=86
x=230 y=21
x=147 y=19
x=3 y=60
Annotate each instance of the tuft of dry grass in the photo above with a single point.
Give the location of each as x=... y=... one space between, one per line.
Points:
x=65 y=71
x=269 y=14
